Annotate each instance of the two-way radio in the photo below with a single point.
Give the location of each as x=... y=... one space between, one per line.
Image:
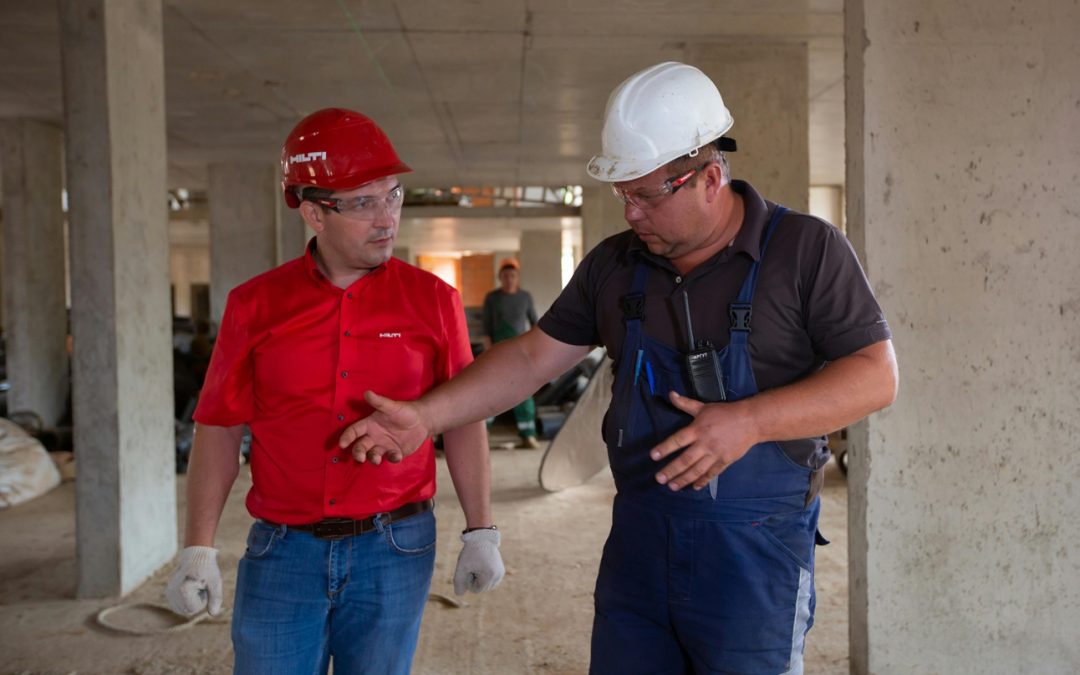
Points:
x=702 y=364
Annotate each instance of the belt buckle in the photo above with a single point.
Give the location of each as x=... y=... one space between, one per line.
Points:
x=332 y=529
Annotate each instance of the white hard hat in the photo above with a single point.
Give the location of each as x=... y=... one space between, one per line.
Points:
x=655 y=116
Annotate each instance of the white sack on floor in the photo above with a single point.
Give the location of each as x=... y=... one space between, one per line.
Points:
x=25 y=468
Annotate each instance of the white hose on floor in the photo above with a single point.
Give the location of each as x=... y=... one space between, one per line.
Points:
x=102 y=618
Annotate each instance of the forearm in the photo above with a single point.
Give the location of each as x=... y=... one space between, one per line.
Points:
x=467 y=458
x=842 y=393
x=214 y=465
x=498 y=380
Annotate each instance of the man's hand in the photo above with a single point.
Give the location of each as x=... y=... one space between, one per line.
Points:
x=196 y=583
x=718 y=437
x=394 y=431
x=479 y=565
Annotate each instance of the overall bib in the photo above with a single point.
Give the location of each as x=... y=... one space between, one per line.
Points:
x=718 y=580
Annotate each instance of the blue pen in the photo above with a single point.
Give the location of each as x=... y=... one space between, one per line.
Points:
x=649 y=375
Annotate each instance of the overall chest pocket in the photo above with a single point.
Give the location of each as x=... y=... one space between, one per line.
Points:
x=657 y=380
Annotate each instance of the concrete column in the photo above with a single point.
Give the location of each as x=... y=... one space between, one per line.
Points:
x=541 y=271
x=601 y=215
x=962 y=165
x=114 y=114
x=765 y=87
x=35 y=331
x=243 y=198
x=291 y=231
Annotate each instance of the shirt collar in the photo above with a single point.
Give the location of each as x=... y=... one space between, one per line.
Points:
x=315 y=274
x=755 y=215
x=312 y=267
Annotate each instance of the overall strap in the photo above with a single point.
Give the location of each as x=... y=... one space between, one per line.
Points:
x=739 y=311
x=633 y=303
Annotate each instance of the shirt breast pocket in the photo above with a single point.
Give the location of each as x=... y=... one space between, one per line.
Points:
x=397 y=367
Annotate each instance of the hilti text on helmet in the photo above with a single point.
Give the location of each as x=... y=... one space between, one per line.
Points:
x=307 y=157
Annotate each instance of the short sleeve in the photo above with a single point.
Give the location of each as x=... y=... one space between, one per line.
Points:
x=227 y=397
x=458 y=351
x=843 y=316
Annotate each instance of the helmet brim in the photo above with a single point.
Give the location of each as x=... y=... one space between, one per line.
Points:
x=616 y=170
x=292 y=200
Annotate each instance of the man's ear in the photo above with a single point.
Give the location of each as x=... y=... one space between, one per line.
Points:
x=714 y=180
x=312 y=215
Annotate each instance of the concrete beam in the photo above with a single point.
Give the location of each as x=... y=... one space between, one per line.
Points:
x=114 y=115
x=963 y=157
x=244 y=224
x=541 y=266
x=35 y=308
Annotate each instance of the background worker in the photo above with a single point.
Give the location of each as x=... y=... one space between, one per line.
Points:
x=340 y=558
x=508 y=313
x=709 y=563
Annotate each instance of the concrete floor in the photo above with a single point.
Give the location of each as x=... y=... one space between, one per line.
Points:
x=538 y=621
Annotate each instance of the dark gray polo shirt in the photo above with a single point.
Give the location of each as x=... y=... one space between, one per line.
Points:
x=513 y=309
x=813 y=302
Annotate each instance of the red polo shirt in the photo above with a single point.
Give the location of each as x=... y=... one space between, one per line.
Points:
x=292 y=360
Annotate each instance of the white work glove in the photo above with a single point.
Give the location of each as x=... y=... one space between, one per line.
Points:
x=479 y=565
x=196 y=583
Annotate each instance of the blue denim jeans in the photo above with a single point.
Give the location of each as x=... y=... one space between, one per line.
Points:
x=302 y=601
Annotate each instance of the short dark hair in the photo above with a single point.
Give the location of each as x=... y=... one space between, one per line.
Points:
x=706 y=154
x=311 y=193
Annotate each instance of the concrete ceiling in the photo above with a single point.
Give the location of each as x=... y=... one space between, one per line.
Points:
x=472 y=92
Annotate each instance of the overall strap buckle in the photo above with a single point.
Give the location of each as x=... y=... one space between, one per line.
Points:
x=633 y=306
x=739 y=315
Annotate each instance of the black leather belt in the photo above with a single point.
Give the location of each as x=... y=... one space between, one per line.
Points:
x=339 y=528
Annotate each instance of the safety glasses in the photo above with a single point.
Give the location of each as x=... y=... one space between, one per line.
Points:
x=364 y=207
x=650 y=199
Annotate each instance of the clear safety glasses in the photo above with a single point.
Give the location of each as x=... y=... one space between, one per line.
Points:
x=650 y=199
x=364 y=207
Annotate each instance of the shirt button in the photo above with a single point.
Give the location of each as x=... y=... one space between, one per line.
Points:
x=678 y=280
x=346 y=333
x=340 y=418
x=344 y=373
x=333 y=501
x=348 y=295
x=335 y=461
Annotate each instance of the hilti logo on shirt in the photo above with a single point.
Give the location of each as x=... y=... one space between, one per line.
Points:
x=307 y=157
x=389 y=335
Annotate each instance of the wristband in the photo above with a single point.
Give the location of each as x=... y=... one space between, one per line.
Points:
x=474 y=529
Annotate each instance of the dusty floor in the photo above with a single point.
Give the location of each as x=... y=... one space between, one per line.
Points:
x=538 y=621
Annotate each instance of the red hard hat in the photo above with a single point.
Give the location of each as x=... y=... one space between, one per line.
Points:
x=336 y=149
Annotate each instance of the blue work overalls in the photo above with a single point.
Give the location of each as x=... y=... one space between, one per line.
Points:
x=718 y=580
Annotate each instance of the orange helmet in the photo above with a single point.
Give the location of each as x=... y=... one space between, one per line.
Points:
x=336 y=149
x=509 y=262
